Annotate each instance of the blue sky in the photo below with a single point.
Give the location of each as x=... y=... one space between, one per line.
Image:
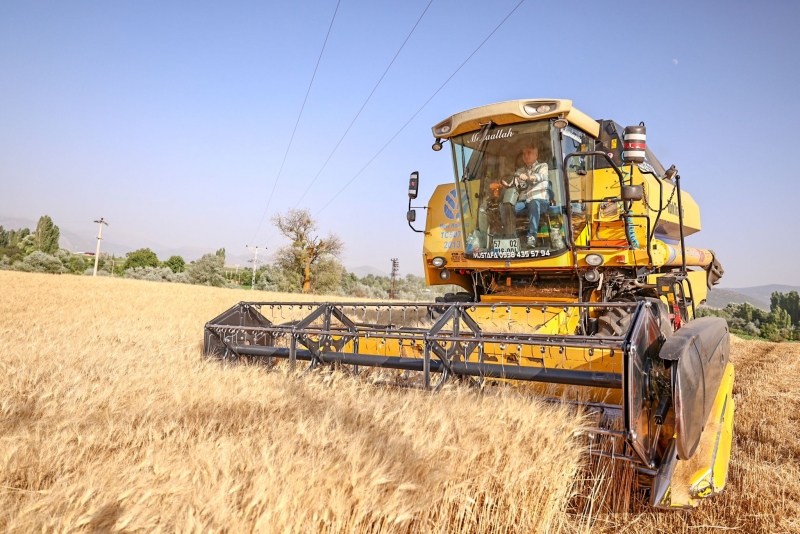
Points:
x=171 y=119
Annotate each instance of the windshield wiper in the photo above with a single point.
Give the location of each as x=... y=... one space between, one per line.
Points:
x=470 y=171
x=475 y=162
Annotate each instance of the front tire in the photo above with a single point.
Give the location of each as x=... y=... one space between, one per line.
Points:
x=617 y=321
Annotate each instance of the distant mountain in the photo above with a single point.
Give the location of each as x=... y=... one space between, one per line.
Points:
x=15 y=223
x=366 y=270
x=758 y=296
x=719 y=298
x=763 y=293
x=79 y=243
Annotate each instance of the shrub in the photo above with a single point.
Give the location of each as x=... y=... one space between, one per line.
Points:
x=181 y=278
x=39 y=262
x=75 y=264
x=751 y=330
x=208 y=271
x=90 y=271
x=12 y=253
x=152 y=274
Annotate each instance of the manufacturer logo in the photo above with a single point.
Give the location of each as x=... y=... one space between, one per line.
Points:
x=451 y=205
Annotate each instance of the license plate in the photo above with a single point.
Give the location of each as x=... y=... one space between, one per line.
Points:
x=506 y=245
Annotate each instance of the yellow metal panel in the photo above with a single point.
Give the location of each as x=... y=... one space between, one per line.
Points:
x=443 y=237
x=552 y=320
x=443 y=223
x=706 y=472
x=659 y=195
x=699 y=286
x=698 y=279
x=511 y=112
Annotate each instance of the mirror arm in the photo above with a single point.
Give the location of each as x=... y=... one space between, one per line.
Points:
x=418 y=231
x=409 y=222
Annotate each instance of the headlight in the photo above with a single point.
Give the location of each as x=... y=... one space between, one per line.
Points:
x=595 y=260
x=442 y=129
x=535 y=108
x=438 y=262
x=592 y=275
x=444 y=274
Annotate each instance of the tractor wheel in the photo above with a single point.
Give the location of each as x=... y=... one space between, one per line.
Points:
x=616 y=321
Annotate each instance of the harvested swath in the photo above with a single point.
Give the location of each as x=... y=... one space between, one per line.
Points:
x=111 y=419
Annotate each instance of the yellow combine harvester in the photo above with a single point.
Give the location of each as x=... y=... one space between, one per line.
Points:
x=567 y=236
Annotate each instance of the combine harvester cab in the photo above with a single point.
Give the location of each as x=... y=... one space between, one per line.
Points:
x=567 y=237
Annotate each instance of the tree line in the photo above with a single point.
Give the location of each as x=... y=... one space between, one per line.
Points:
x=308 y=263
x=781 y=323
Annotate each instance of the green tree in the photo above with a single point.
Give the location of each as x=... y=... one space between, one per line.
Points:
x=780 y=318
x=76 y=264
x=144 y=257
x=46 y=235
x=115 y=265
x=13 y=237
x=327 y=275
x=208 y=271
x=221 y=254
x=176 y=263
x=273 y=278
x=27 y=244
x=790 y=302
x=306 y=250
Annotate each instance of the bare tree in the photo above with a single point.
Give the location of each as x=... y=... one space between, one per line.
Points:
x=307 y=248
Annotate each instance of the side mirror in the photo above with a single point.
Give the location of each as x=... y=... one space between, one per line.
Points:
x=632 y=192
x=413 y=185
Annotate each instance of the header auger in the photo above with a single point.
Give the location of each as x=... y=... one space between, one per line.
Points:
x=567 y=236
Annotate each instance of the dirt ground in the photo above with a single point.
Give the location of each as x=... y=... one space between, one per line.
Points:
x=112 y=421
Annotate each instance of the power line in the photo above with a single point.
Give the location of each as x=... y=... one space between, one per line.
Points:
x=291 y=139
x=421 y=108
x=364 y=104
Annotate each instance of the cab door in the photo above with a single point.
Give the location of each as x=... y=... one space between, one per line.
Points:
x=579 y=173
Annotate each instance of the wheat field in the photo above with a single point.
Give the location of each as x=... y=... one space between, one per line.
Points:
x=112 y=421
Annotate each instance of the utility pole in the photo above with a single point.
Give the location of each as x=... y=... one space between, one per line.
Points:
x=101 y=222
x=395 y=271
x=237 y=274
x=255 y=251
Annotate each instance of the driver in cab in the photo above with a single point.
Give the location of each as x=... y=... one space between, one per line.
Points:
x=533 y=185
